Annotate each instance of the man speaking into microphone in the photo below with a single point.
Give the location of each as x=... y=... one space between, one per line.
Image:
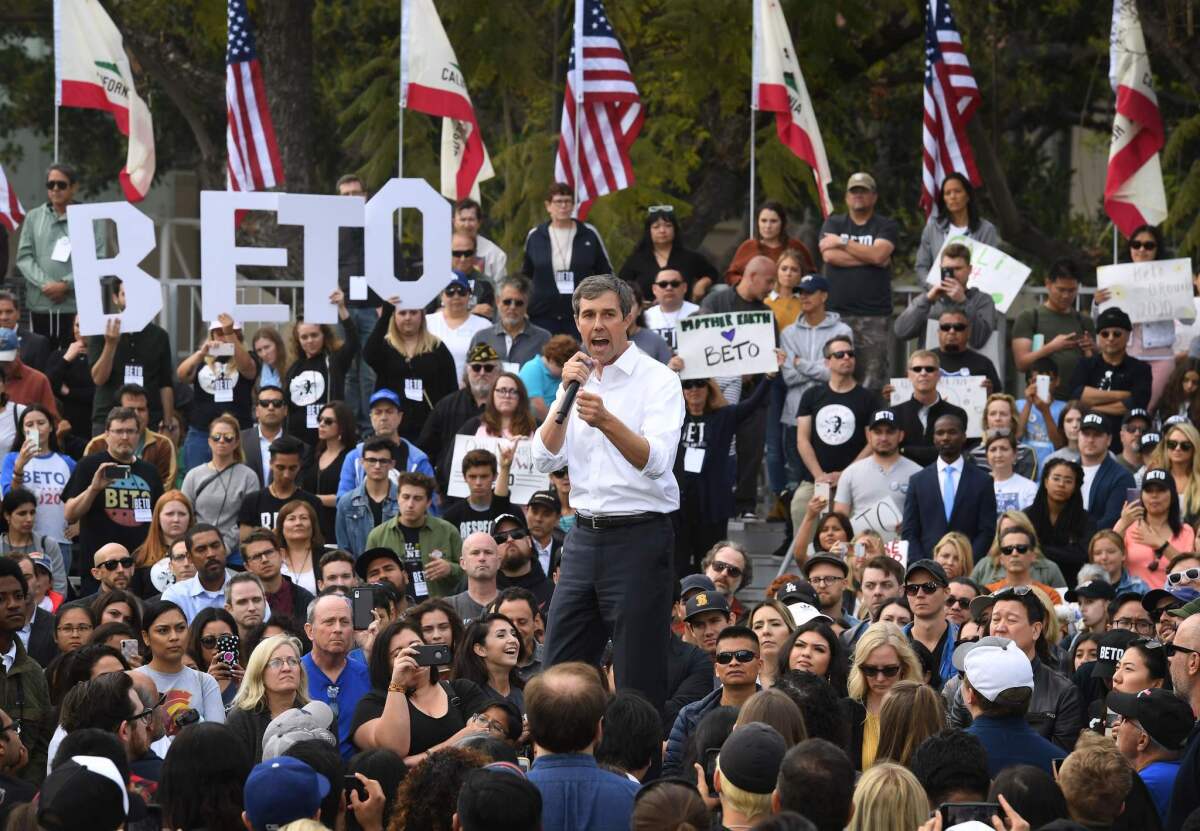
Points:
x=619 y=440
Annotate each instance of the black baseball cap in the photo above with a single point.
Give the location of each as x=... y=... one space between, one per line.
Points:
x=1092 y=590
x=882 y=417
x=1135 y=413
x=1149 y=441
x=371 y=555
x=825 y=557
x=938 y=573
x=546 y=499
x=695 y=583
x=751 y=756
x=1113 y=317
x=514 y=516
x=797 y=591
x=1093 y=421
x=1166 y=717
x=703 y=602
x=1110 y=647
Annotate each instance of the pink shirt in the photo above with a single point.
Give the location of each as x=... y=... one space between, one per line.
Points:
x=1138 y=557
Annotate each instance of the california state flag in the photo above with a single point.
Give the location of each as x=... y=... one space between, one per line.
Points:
x=1133 y=190
x=91 y=70
x=779 y=87
x=432 y=82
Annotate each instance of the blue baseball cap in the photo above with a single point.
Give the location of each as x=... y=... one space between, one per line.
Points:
x=385 y=395
x=461 y=281
x=281 y=791
x=8 y=345
x=812 y=282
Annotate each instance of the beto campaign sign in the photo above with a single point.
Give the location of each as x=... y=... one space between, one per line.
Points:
x=721 y=345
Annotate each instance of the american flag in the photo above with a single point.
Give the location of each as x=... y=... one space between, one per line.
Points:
x=611 y=107
x=951 y=97
x=11 y=212
x=249 y=136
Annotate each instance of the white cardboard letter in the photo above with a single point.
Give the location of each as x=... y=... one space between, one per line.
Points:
x=379 y=237
x=220 y=256
x=135 y=239
x=322 y=217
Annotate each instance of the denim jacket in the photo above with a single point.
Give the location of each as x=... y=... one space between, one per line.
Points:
x=354 y=518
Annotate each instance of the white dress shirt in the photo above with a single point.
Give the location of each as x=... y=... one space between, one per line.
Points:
x=648 y=399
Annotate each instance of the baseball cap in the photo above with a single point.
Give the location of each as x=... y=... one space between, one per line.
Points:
x=802 y=613
x=939 y=573
x=861 y=180
x=1175 y=419
x=510 y=517
x=882 y=417
x=482 y=353
x=695 y=582
x=1093 y=421
x=1092 y=590
x=83 y=792
x=1149 y=441
x=545 y=499
x=705 y=602
x=825 y=557
x=41 y=561
x=385 y=394
x=1162 y=714
x=371 y=555
x=1136 y=412
x=796 y=591
x=1109 y=648
x=994 y=665
x=282 y=790
x=812 y=282
x=8 y=345
x=751 y=756
x=1156 y=477
x=1113 y=316
x=460 y=281
x=216 y=324
x=1186 y=610
x=312 y=721
x=1179 y=597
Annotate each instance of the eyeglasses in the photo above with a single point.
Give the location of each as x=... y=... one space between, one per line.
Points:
x=327 y=422
x=482 y=367
x=221 y=438
x=113 y=565
x=1156 y=615
x=826 y=579
x=272 y=403
x=889 y=671
x=1111 y=333
x=1187 y=575
x=14 y=725
x=504 y=536
x=79 y=628
x=180 y=558
x=959 y=602
x=1134 y=624
x=470 y=252
x=260 y=556
x=1172 y=444
x=1138 y=245
x=1133 y=428
x=842 y=353
x=57 y=184
x=1012 y=591
x=209 y=641
x=457 y=291
x=144 y=714
x=1172 y=649
x=911 y=589
x=507 y=392
x=1019 y=548
x=669 y=284
x=512 y=301
x=280 y=663
x=695 y=384
x=743 y=656
x=374 y=462
x=953 y=327
x=923 y=369
x=721 y=567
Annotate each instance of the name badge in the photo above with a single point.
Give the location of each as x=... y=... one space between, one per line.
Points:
x=565 y=280
x=414 y=389
x=223 y=390
x=693 y=459
x=142 y=510
x=62 y=250
x=510 y=366
x=135 y=374
x=310 y=416
x=358 y=288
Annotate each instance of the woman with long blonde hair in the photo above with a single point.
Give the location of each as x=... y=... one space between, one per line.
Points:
x=889 y=798
x=882 y=657
x=911 y=713
x=990 y=569
x=1000 y=414
x=275 y=681
x=412 y=362
x=953 y=553
x=1177 y=453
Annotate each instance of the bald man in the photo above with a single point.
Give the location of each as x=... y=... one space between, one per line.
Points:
x=1183 y=662
x=746 y=296
x=112 y=566
x=480 y=561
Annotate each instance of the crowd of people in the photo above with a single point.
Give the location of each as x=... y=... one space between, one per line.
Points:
x=235 y=589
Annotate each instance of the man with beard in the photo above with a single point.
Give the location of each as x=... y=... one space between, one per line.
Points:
x=480 y=561
x=453 y=411
x=112 y=567
x=954 y=332
x=206 y=547
x=518 y=565
x=109 y=702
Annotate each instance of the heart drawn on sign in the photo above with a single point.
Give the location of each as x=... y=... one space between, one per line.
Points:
x=728 y=334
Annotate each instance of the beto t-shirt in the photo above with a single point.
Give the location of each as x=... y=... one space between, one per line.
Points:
x=418 y=589
x=468 y=519
x=262 y=507
x=122 y=511
x=839 y=423
x=864 y=290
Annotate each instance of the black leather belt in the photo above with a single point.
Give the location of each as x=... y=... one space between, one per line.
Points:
x=597 y=523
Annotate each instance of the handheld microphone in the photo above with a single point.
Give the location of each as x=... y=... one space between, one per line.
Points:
x=567 y=402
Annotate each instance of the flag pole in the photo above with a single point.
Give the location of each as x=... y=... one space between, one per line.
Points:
x=1114 y=243
x=577 y=88
x=57 y=70
x=753 y=103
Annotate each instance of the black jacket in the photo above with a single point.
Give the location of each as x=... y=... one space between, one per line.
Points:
x=439 y=430
x=918 y=441
x=549 y=308
x=253 y=452
x=311 y=390
x=642 y=267
x=535 y=581
x=690 y=677
x=74 y=388
x=35 y=349
x=42 y=647
x=434 y=369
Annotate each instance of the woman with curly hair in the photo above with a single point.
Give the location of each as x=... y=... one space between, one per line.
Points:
x=428 y=796
x=953 y=553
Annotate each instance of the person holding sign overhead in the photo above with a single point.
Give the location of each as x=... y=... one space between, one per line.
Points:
x=318 y=374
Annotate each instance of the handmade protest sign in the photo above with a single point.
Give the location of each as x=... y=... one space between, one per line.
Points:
x=722 y=345
x=992 y=271
x=1156 y=290
x=883 y=518
x=966 y=391
x=523 y=477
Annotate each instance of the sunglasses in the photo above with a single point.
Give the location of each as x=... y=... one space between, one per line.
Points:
x=1187 y=575
x=221 y=438
x=470 y=252
x=272 y=403
x=209 y=641
x=1172 y=444
x=959 y=602
x=953 y=327
x=512 y=301
x=483 y=367
x=923 y=369
x=743 y=656
x=514 y=535
x=1172 y=649
x=1156 y=615
x=889 y=671
x=457 y=291
x=57 y=184
x=912 y=589
x=14 y=725
x=327 y=422
x=113 y=565
x=1138 y=245
x=666 y=209
x=1111 y=333
x=725 y=568
x=1134 y=429
x=669 y=284
x=842 y=353
x=1020 y=548
x=1013 y=591
x=695 y=384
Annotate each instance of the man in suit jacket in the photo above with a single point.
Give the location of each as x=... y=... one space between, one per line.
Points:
x=1105 y=480
x=916 y=416
x=271 y=415
x=41 y=646
x=973 y=509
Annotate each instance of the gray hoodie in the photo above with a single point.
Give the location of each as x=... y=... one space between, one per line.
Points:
x=804 y=365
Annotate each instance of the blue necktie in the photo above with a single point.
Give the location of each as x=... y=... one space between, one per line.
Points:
x=948 y=493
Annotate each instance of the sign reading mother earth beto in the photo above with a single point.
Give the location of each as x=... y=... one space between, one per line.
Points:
x=321 y=216
x=723 y=345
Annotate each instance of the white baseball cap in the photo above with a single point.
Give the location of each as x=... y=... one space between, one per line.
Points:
x=803 y=612
x=993 y=665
